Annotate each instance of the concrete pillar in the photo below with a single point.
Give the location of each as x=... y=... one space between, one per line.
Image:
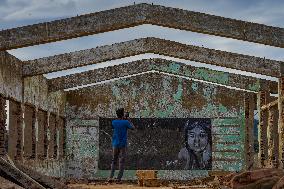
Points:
x=46 y=135
x=281 y=121
x=56 y=137
x=2 y=125
x=19 y=152
x=34 y=132
x=62 y=136
x=15 y=144
x=29 y=132
x=249 y=104
x=273 y=141
x=262 y=99
x=51 y=131
x=42 y=136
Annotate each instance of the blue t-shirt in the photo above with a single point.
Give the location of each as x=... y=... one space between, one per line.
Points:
x=119 y=138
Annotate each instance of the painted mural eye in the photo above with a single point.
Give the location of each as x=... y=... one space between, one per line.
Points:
x=202 y=135
x=191 y=135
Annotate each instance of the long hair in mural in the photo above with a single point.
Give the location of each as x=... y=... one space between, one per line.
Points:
x=197 y=153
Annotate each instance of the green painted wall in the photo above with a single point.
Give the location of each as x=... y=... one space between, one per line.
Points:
x=158 y=96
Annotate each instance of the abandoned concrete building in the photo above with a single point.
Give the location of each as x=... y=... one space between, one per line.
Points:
x=64 y=133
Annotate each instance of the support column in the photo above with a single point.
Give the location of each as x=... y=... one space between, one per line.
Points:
x=15 y=144
x=249 y=103
x=51 y=129
x=262 y=99
x=34 y=132
x=2 y=125
x=61 y=147
x=281 y=121
x=29 y=132
x=46 y=135
x=41 y=142
x=56 y=137
x=273 y=141
x=19 y=153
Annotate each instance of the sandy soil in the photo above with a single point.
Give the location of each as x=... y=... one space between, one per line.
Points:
x=6 y=184
x=127 y=186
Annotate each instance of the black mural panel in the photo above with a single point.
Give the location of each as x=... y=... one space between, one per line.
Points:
x=161 y=144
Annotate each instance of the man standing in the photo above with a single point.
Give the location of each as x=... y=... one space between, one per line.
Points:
x=119 y=142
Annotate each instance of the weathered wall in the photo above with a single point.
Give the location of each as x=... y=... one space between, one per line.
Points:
x=42 y=144
x=10 y=76
x=154 y=96
x=36 y=93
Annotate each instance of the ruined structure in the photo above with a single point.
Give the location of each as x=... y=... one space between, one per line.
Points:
x=56 y=132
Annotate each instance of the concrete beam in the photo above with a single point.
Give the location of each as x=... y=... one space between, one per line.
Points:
x=139 y=14
x=152 y=45
x=161 y=65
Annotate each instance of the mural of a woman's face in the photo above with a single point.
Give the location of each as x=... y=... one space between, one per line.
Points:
x=197 y=139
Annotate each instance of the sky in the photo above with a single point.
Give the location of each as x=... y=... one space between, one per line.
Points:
x=15 y=13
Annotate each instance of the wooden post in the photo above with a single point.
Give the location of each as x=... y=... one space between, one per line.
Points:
x=249 y=103
x=273 y=143
x=2 y=125
x=262 y=99
x=281 y=122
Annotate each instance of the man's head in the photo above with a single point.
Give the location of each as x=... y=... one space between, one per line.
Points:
x=120 y=112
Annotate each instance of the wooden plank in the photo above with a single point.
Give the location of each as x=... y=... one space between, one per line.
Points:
x=271 y=104
x=222 y=146
x=134 y=15
x=46 y=180
x=228 y=155
x=226 y=130
x=226 y=122
x=229 y=138
x=227 y=165
x=18 y=175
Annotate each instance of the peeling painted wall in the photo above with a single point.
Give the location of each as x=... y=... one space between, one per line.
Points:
x=161 y=65
x=159 y=96
x=83 y=150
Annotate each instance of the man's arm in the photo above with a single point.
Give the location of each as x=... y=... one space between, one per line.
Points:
x=132 y=126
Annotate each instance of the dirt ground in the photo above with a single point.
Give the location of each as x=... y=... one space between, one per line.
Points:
x=128 y=186
x=6 y=184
